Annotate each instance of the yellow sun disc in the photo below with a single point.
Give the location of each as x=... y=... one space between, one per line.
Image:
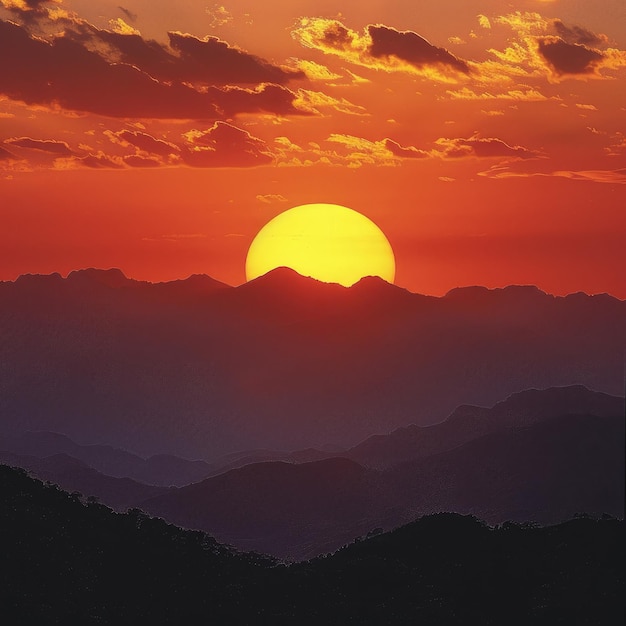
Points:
x=327 y=242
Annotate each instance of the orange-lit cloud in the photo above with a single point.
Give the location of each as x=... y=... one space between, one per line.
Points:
x=613 y=177
x=482 y=147
x=271 y=198
x=526 y=94
x=122 y=75
x=224 y=145
x=551 y=47
x=45 y=145
x=315 y=102
x=381 y=47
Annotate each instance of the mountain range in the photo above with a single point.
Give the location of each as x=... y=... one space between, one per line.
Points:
x=543 y=462
x=198 y=369
x=75 y=562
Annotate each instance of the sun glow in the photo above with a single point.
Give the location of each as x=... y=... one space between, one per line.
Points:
x=327 y=242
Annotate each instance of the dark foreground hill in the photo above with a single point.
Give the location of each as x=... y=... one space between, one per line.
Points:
x=198 y=369
x=68 y=562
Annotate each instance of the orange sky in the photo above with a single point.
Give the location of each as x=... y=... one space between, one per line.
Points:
x=486 y=139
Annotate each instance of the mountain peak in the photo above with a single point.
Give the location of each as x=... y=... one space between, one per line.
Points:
x=113 y=277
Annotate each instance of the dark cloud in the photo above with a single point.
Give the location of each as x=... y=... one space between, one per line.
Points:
x=483 y=148
x=569 y=58
x=336 y=35
x=135 y=160
x=208 y=61
x=212 y=60
x=99 y=161
x=577 y=34
x=63 y=72
x=59 y=148
x=224 y=145
x=147 y=143
x=411 y=48
x=29 y=10
x=132 y=17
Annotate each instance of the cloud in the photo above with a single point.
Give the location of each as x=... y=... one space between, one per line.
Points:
x=527 y=94
x=225 y=145
x=381 y=47
x=222 y=145
x=412 y=48
x=577 y=34
x=611 y=177
x=315 y=71
x=144 y=142
x=46 y=145
x=484 y=21
x=90 y=70
x=132 y=17
x=28 y=10
x=135 y=160
x=99 y=161
x=312 y=101
x=5 y=155
x=567 y=58
x=482 y=147
x=550 y=45
x=345 y=150
x=271 y=198
x=219 y=16
x=120 y=27
x=410 y=152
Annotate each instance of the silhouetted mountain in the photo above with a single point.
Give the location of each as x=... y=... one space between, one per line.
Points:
x=163 y=470
x=75 y=476
x=469 y=422
x=546 y=471
x=289 y=510
x=198 y=369
x=75 y=563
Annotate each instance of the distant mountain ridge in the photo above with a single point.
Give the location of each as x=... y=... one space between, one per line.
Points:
x=470 y=422
x=198 y=369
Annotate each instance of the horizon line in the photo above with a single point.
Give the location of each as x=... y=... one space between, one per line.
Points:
x=243 y=284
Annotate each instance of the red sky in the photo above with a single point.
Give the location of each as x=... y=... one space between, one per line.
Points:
x=486 y=139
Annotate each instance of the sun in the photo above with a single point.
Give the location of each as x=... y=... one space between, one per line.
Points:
x=327 y=242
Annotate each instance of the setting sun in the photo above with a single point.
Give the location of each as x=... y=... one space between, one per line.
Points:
x=327 y=242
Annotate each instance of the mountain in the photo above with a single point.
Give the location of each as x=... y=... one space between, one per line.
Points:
x=162 y=470
x=545 y=471
x=72 y=562
x=292 y=511
x=197 y=369
x=74 y=476
x=470 y=422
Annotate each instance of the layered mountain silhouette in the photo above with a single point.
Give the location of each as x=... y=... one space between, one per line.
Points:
x=540 y=456
x=198 y=369
x=75 y=562
x=75 y=476
x=293 y=511
x=466 y=423
x=160 y=469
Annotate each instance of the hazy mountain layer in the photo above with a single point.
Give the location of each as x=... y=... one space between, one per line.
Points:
x=198 y=369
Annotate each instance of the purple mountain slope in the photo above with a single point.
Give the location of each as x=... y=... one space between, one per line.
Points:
x=546 y=472
x=470 y=422
x=73 y=475
x=198 y=369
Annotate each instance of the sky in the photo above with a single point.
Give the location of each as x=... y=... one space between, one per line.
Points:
x=486 y=139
